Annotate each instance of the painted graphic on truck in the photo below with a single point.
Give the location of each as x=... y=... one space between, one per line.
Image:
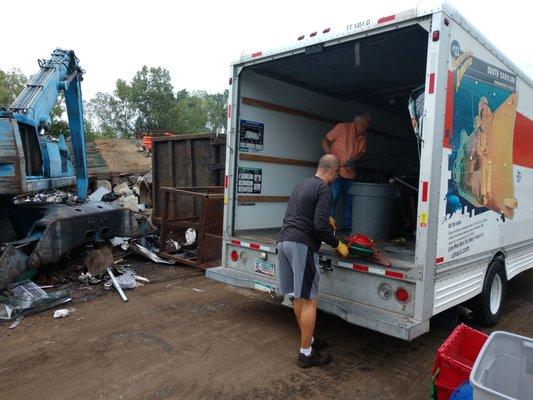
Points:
x=481 y=162
x=488 y=157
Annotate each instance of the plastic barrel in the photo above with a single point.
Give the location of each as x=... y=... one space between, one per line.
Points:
x=372 y=207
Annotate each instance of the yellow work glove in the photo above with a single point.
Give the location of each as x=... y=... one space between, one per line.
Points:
x=342 y=250
x=333 y=224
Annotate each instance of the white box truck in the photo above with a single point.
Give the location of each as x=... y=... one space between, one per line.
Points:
x=463 y=207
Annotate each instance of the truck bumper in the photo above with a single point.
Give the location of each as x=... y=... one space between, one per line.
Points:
x=374 y=318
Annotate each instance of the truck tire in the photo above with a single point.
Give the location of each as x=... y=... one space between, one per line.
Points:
x=488 y=306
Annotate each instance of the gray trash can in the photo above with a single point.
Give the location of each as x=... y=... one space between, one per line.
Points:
x=372 y=207
x=504 y=368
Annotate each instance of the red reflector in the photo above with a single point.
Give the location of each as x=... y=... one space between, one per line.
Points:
x=257 y=54
x=388 y=18
x=312 y=34
x=301 y=37
x=226 y=182
x=402 y=295
x=394 y=274
x=234 y=256
x=439 y=260
x=431 y=88
x=362 y=268
x=236 y=242
x=425 y=186
x=229 y=110
x=254 y=246
x=435 y=36
x=230 y=81
x=326 y=30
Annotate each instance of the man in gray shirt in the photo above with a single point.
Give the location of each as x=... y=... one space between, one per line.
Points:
x=305 y=226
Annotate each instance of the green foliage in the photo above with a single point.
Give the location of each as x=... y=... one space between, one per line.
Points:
x=11 y=84
x=146 y=103
x=149 y=103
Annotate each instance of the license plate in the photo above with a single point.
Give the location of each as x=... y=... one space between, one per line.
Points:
x=264 y=268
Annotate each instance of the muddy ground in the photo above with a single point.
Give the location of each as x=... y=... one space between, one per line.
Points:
x=186 y=337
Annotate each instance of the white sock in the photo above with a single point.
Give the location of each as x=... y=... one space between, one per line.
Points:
x=306 y=352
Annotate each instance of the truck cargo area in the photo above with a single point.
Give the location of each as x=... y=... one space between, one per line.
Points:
x=298 y=99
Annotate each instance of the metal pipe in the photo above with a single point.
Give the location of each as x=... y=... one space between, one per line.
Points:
x=116 y=284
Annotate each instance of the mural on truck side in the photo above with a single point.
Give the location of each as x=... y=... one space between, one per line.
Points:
x=484 y=110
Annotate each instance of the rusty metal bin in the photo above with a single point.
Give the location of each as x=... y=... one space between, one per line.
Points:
x=192 y=160
x=200 y=208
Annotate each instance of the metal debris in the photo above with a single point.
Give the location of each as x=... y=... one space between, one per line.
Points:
x=116 y=285
x=16 y=322
x=26 y=298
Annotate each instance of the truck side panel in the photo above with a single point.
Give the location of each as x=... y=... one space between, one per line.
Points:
x=487 y=163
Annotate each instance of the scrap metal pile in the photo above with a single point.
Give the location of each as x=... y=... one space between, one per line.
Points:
x=97 y=263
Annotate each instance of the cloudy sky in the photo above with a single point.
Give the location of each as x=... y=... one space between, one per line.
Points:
x=197 y=40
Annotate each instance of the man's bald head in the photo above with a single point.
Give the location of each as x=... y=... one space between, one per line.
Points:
x=328 y=168
x=328 y=161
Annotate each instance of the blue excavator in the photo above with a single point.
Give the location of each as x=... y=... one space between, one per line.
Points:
x=34 y=234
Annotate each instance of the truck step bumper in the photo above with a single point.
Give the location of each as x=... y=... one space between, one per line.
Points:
x=374 y=318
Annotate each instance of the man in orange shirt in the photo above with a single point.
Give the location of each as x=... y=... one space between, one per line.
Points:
x=346 y=141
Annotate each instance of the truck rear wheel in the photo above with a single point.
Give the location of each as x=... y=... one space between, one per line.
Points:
x=488 y=306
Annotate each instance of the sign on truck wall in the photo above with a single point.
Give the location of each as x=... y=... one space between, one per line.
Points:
x=251 y=136
x=249 y=180
x=482 y=166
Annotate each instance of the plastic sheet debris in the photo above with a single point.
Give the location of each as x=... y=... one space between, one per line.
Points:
x=96 y=196
x=26 y=298
x=63 y=312
x=126 y=280
x=190 y=236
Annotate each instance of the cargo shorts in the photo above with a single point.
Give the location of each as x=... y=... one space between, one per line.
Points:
x=298 y=270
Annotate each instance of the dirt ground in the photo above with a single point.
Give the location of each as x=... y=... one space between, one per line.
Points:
x=186 y=337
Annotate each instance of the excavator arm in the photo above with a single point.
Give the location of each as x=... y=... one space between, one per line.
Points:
x=30 y=160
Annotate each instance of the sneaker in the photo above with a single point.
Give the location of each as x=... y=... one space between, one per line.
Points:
x=316 y=358
x=319 y=344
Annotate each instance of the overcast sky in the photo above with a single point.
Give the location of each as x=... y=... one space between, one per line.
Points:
x=197 y=40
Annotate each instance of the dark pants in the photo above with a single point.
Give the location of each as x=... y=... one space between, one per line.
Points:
x=339 y=188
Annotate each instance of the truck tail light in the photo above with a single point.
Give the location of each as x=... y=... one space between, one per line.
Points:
x=326 y=30
x=435 y=36
x=301 y=37
x=234 y=256
x=402 y=295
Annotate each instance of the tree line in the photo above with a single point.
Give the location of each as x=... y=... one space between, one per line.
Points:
x=146 y=103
